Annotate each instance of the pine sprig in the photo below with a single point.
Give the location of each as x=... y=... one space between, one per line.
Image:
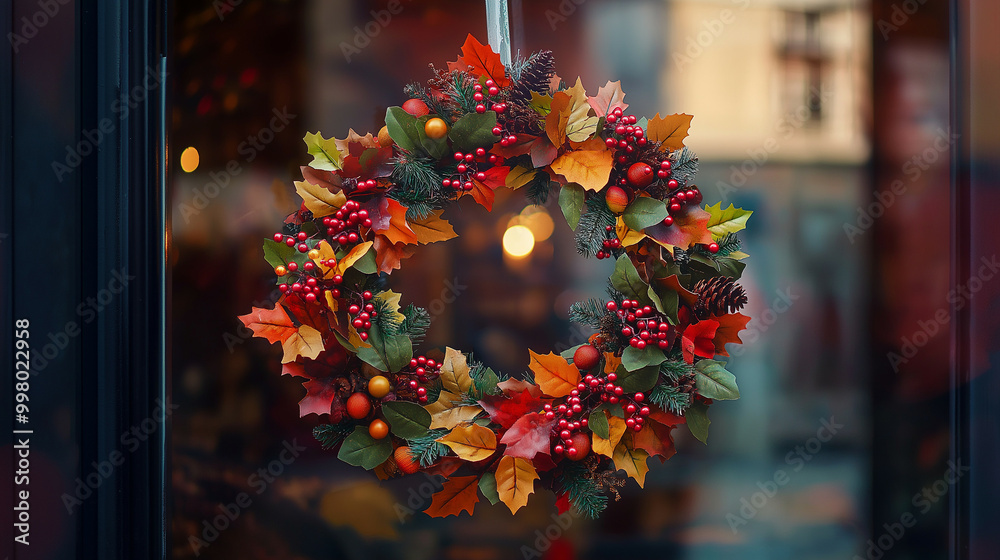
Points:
x=684 y=166
x=589 y=312
x=538 y=188
x=417 y=185
x=675 y=369
x=670 y=397
x=415 y=324
x=329 y=435
x=426 y=450
x=592 y=229
x=436 y=104
x=584 y=493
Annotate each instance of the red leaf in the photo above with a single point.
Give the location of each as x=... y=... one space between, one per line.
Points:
x=528 y=436
x=514 y=386
x=506 y=410
x=307 y=313
x=562 y=503
x=729 y=331
x=458 y=494
x=688 y=228
x=378 y=212
x=543 y=152
x=319 y=396
x=655 y=439
x=666 y=417
x=697 y=340
x=482 y=191
x=483 y=61
x=273 y=324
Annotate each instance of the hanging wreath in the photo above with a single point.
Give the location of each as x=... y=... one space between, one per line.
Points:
x=576 y=419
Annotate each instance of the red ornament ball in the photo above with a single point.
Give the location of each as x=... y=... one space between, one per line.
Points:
x=586 y=357
x=358 y=406
x=580 y=448
x=416 y=107
x=405 y=461
x=640 y=175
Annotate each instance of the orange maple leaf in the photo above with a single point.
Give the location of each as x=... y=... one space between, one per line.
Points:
x=273 y=324
x=482 y=191
x=388 y=254
x=397 y=230
x=670 y=130
x=433 y=228
x=457 y=494
x=556 y=376
x=729 y=331
x=589 y=168
x=481 y=61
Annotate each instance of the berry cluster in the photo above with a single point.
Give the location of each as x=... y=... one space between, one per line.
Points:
x=363 y=314
x=497 y=105
x=643 y=325
x=623 y=134
x=611 y=242
x=468 y=169
x=421 y=371
x=344 y=227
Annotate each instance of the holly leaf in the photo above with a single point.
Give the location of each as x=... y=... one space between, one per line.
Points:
x=572 y=201
x=643 y=212
x=729 y=329
x=362 y=450
x=473 y=130
x=505 y=410
x=631 y=460
x=470 y=442
x=723 y=222
x=397 y=231
x=528 y=436
x=306 y=342
x=670 y=130
x=406 y=419
x=482 y=61
x=556 y=376
x=455 y=372
x=608 y=98
x=626 y=280
x=641 y=379
x=689 y=227
x=542 y=104
x=279 y=254
x=403 y=129
x=697 y=421
x=326 y=155
x=448 y=418
x=457 y=494
x=714 y=382
x=634 y=359
x=515 y=479
x=598 y=422
x=606 y=446
x=273 y=324
x=432 y=229
x=697 y=340
x=488 y=486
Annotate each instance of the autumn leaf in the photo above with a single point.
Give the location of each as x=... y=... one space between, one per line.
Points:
x=433 y=228
x=319 y=396
x=725 y=221
x=397 y=230
x=390 y=305
x=515 y=481
x=455 y=372
x=558 y=118
x=631 y=460
x=606 y=447
x=306 y=342
x=673 y=283
x=689 y=228
x=611 y=362
x=729 y=329
x=355 y=144
x=318 y=199
x=670 y=130
x=326 y=252
x=389 y=255
x=446 y=400
x=542 y=152
x=482 y=61
x=519 y=176
x=513 y=386
x=273 y=324
x=451 y=417
x=482 y=191
x=507 y=409
x=542 y=104
x=471 y=442
x=518 y=148
x=353 y=256
x=697 y=340
x=528 y=436
x=579 y=124
x=590 y=169
x=608 y=98
x=655 y=439
x=627 y=235
x=556 y=376
x=326 y=154
x=457 y=494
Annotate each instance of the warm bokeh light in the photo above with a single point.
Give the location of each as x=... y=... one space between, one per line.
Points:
x=518 y=241
x=190 y=159
x=538 y=220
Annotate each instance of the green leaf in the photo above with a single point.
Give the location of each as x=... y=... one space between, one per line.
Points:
x=366 y=264
x=730 y=267
x=370 y=356
x=626 y=280
x=362 y=450
x=473 y=130
x=633 y=358
x=403 y=129
x=488 y=486
x=278 y=254
x=697 y=421
x=714 y=382
x=642 y=379
x=568 y=353
x=644 y=212
x=324 y=151
x=406 y=419
x=598 y=422
x=729 y=220
x=665 y=303
x=572 y=202
x=398 y=351
x=344 y=342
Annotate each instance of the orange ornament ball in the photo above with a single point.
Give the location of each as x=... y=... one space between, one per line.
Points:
x=405 y=461
x=378 y=429
x=379 y=386
x=436 y=128
x=416 y=107
x=358 y=406
x=617 y=199
x=580 y=447
x=384 y=139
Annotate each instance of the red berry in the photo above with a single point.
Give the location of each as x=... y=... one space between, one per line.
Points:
x=366 y=295
x=713 y=247
x=278 y=237
x=358 y=406
x=612 y=306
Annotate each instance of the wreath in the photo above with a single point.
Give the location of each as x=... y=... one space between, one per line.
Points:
x=575 y=419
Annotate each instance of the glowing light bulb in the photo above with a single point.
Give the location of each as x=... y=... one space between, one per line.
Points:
x=518 y=241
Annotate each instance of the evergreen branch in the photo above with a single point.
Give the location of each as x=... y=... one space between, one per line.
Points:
x=329 y=435
x=675 y=369
x=669 y=397
x=684 y=166
x=592 y=229
x=426 y=450
x=584 y=493
x=590 y=312
x=415 y=324
x=538 y=188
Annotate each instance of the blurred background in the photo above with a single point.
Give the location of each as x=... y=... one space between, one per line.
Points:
x=828 y=118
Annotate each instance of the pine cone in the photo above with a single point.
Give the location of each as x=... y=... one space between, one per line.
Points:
x=718 y=296
x=535 y=76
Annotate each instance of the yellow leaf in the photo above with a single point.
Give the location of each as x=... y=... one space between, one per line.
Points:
x=670 y=130
x=433 y=228
x=519 y=176
x=606 y=447
x=579 y=125
x=554 y=374
x=515 y=481
x=451 y=417
x=318 y=199
x=457 y=494
x=470 y=442
x=367 y=141
x=306 y=342
x=627 y=235
x=445 y=401
x=326 y=253
x=331 y=302
x=354 y=339
x=738 y=255
x=590 y=169
x=391 y=301
x=353 y=256
x=631 y=460
x=398 y=231
x=455 y=372
x=542 y=104
x=325 y=152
